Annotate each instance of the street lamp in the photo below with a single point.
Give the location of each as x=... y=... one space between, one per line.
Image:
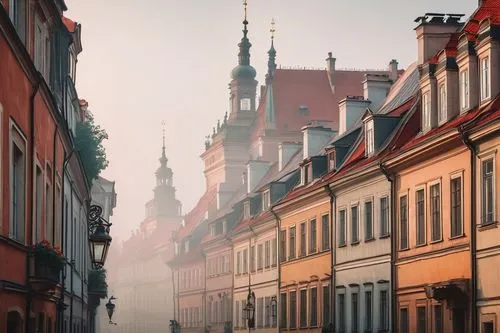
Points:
x=99 y=237
x=249 y=310
x=110 y=308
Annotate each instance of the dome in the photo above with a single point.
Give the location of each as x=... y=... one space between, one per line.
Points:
x=243 y=72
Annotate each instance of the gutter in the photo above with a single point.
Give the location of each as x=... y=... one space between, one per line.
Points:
x=29 y=298
x=278 y=294
x=468 y=143
x=333 y=237
x=390 y=178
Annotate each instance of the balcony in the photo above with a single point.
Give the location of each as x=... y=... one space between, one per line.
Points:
x=46 y=265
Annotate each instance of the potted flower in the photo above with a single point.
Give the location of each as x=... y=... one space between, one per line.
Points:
x=97 y=283
x=49 y=260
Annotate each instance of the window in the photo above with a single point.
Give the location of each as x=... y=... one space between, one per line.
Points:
x=403 y=320
x=17 y=14
x=291 y=255
x=331 y=161
x=49 y=221
x=260 y=312
x=384 y=216
x=313 y=309
x=252 y=258
x=368 y=220
x=354 y=225
x=245 y=261
x=341 y=304
x=354 y=312
x=436 y=212
x=38 y=204
x=464 y=90
x=302 y=239
x=246 y=210
x=342 y=228
x=312 y=240
x=426 y=110
x=259 y=256
x=456 y=206
x=487 y=192
x=245 y=104
x=243 y=305
x=267 y=253
x=267 y=311
x=58 y=223
x=421 y=325
x=282 y=245
x=325 y=232
x=326 y=305
x=420 y=198
x=488 y=327
x=442 y=103
x=384 y=311
x=485 y=78
x=438 y=318
x=238 y=263
x=283 y=311
x=303 y=308
x=42 y=48
x=293 y=309
x=17 y=188
x=368 y=311
x=369 y=137
x=305 y=174
x=274 y=249
x=403 y=220
x=266 y=200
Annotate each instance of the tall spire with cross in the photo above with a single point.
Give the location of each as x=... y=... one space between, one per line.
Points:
x=271 y=63
x=163 y=173
x=244 y=70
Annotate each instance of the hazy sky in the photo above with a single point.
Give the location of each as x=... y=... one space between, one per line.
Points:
x=152 y=60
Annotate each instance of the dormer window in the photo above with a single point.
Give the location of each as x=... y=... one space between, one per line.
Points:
x=331 y=161
x=266 y=200
x=426 y=110
x=245 y=104
x=305 y=174
x=303 y=110
x=42 y=48
x=176 y=248
x=485 y=78
x=369 y=137
x=464 y=90
x=442 y=103
x=186 y=246
x=213 y=230
x=17 y=14
x=183 y=223
x=246 y=210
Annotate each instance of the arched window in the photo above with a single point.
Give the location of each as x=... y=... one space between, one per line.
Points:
x=14 y=322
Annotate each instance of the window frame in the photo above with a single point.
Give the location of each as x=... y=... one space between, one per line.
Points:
x=442 y=102
x=423 y=241
x=370 y=137
x=464 y=89
x=400 y=216
x=387 y=231
x=313 y=305
x=303 y=240
x=485 y=81
x=325 y=236
x=453 y=178
x=243 y=104
x=292 y=254
x=354 y=207
x=365 y=220
x=303 y=306
x=342 y=241
x=431 y=212
x=400 y=319
x=266 y=200
x=426 y=111
x=484 y=157
x=313 y=236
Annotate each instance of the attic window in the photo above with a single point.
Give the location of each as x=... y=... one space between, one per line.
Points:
x=426 y=111
x=331 y=161
x=303 y=110
x=306 y=174
x=246 y=210
x=266 y=200
x=369 y=137
x=183 y=223
x=213 y=230
x=176 y=248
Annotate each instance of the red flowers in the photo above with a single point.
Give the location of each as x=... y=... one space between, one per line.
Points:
x=45 y=252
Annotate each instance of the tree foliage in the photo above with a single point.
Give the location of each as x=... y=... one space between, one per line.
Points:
x=89 y=139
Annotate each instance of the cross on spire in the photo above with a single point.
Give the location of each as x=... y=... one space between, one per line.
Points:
x=273 y=29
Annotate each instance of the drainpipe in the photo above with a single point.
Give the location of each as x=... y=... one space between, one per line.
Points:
x=278 y=294
x=29 y=299
x=72 y=267
x=333 y=237
x=470 y=145
x=390 y=178
x=204 y=297
x=173 y=293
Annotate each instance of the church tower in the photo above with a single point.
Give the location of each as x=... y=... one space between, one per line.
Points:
x=243 y=85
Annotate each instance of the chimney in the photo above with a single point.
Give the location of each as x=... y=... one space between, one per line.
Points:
x=434 y=34
x=285 y=152
x=351 y=109
x=256 y=170
x=314 y=138
x=375 y=89
x=393 y=70
x=330 y=67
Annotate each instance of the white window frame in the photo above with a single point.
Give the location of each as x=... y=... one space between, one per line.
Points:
x=388 y=198
x=485 y=78
x=430 y=185
x=354 y=205
x=18 y=139
x=266 y=200
x=369 y=137
x=464 y=90
x=482 y=158
x=426 y=110
x=454 y=176
x=442 y=102
x=417 y=189
x=245 y=104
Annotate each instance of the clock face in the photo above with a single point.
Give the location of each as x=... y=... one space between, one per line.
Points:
x=245 y=104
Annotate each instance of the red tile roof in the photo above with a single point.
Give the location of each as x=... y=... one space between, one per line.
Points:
x=243 y=224
x=293 y=88
x=489 y=9
x=192 y=256
x=70 y=24
x=197 y=214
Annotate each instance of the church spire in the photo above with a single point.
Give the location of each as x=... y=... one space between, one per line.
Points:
x=244 y=70
x=163 y=173
x=271 y=63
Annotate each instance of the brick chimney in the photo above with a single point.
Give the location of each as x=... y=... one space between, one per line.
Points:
x=433 y=33
x=315 y=137
x=351 y=109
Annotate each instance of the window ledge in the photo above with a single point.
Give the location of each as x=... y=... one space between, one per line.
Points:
x=457 y=236
x=369 y=240
x=421 y=245
x=342 y=245
x=404 y=250
x=384 y=236
x=436 y=241
x=488 y=226
x=355 y=243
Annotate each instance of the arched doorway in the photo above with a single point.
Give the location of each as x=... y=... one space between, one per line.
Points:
x=14 y=322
